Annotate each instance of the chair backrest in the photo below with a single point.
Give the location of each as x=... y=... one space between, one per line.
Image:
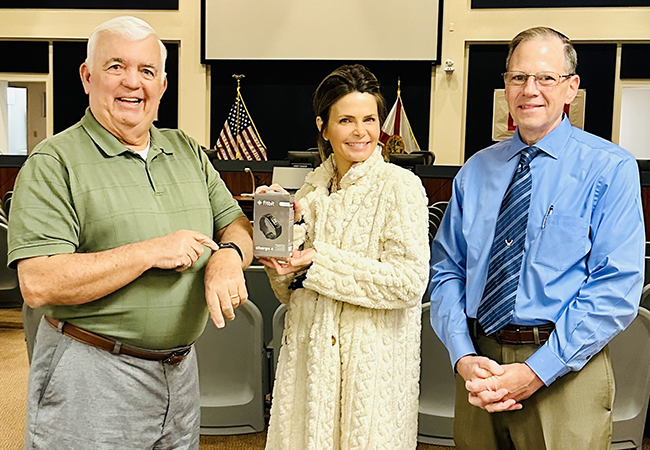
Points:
x=630 y=353
x=6 y=202
x=645 y=295
x=429 y=156
x=410 y=160
x=441 y=205
x=31 y=320
x=437 y=388
x=231 y=362
x=278 y=330
x=260 y=292
x=8 y=277
x=434 y=223
x=436 y=211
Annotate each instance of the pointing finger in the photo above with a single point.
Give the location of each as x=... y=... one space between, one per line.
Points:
x=203 y=239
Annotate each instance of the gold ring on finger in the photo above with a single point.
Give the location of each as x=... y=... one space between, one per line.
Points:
x=233 y=296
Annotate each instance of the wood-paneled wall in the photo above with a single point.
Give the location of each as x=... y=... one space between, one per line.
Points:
x=438 y=189
x=7 y=179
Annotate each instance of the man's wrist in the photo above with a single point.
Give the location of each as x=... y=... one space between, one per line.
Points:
x=233 y=246
x=459 y=360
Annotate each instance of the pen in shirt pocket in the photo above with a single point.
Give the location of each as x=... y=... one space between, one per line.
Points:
x=548 y=213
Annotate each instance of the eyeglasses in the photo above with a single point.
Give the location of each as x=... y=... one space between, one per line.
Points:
x=546 y=79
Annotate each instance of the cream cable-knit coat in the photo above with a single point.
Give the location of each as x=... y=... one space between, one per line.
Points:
x=348 y=371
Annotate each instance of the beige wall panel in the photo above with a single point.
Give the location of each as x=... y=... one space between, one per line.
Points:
x=182 y=26
x=448 y=91
x=500 y=25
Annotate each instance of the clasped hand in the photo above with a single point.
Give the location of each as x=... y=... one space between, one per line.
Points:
x=299 y=259
x=494 y=387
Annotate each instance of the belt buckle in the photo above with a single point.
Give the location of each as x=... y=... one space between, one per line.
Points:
x=500 y=340
x=177 y=356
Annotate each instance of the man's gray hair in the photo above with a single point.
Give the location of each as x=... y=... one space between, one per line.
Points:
x=128 y=27
x=570 y=55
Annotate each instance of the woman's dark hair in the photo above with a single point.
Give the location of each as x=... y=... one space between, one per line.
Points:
x=343 y=81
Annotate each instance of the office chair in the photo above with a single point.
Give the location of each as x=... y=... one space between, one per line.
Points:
x=231 y=363
x=437 y=388
x=278 y=331
x=630 y=353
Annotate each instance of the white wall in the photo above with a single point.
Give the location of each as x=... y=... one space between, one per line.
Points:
x=4 y=119
x=635 y=121
x=17 y=120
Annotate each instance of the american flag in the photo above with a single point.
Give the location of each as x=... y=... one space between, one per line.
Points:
x=248 y=144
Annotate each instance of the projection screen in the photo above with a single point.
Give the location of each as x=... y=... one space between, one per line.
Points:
x=407 y=30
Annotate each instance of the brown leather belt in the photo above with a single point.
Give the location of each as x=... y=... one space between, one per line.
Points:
x=515 y=334
x=86 y=337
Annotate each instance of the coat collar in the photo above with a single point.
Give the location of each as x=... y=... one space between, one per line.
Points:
x=322 y=176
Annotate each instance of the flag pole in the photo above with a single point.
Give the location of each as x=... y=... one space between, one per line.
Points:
x=239 y=99
x=251 y=119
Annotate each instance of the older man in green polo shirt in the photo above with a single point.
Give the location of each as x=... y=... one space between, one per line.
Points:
x=128 y=240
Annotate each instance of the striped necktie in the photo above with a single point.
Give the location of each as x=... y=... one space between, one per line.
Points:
x=498 y=303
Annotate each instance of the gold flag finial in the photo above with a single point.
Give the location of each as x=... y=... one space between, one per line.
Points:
x=238 y=78
x=399 y=86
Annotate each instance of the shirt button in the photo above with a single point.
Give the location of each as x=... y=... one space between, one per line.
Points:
x=333 y=340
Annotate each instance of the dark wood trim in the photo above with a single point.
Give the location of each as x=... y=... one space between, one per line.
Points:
x=14 y=161
x=255 y=166
x=437 y=180
x=7 y=179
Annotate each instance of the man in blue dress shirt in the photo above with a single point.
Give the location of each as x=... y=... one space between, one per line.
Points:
x=544 y=379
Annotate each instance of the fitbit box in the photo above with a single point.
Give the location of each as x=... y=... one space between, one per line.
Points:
x=273 y=225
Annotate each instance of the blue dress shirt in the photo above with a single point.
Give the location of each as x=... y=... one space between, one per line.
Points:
x=584 y=253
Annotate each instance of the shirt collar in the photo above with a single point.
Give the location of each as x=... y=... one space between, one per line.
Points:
x=111 y=146
x=552 y=144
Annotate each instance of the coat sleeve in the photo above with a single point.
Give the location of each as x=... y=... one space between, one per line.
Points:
x=397 y=278
x=280 y=284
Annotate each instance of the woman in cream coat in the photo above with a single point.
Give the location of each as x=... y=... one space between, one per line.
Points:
x=348 y=370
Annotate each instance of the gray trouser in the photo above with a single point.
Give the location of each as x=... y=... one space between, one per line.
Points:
x=81 y=397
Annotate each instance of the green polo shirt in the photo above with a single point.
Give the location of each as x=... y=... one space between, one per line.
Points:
x=82 y=191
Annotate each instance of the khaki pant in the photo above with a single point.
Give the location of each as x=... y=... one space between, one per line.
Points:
x=573 y=413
